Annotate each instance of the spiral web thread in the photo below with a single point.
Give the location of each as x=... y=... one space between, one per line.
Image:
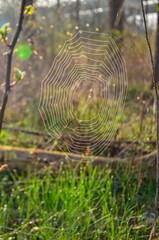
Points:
x=84 y=92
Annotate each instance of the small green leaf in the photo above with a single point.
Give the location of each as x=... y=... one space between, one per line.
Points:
x=29 y=10
x=5 y=29
x=17 y=76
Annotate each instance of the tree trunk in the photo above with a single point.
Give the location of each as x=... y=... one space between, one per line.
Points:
x=29 y=2
x=157 y=51
x=117 y=14
x=58 y=6
x=78 y=11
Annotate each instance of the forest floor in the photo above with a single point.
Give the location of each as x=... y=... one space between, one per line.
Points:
x=84 y=202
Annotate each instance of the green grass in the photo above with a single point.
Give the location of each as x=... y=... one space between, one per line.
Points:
x=82 y=203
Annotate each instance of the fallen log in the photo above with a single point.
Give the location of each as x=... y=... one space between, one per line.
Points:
x=21 y=157
x=18 y=157
x=36 y=133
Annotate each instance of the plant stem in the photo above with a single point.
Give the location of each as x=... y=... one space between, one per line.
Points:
x=157 y=127
x=9 y=63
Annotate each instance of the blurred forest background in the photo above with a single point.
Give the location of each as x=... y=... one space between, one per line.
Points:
x=56 y=21
x=45 y=33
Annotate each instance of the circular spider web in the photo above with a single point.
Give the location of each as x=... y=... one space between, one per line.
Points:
x=83 y=94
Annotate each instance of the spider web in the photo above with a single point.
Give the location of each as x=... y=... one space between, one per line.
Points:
x=83 y=94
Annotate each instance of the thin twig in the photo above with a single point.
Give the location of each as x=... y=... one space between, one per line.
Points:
x=153 y=232
x=9 y=62
x=36 y=133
